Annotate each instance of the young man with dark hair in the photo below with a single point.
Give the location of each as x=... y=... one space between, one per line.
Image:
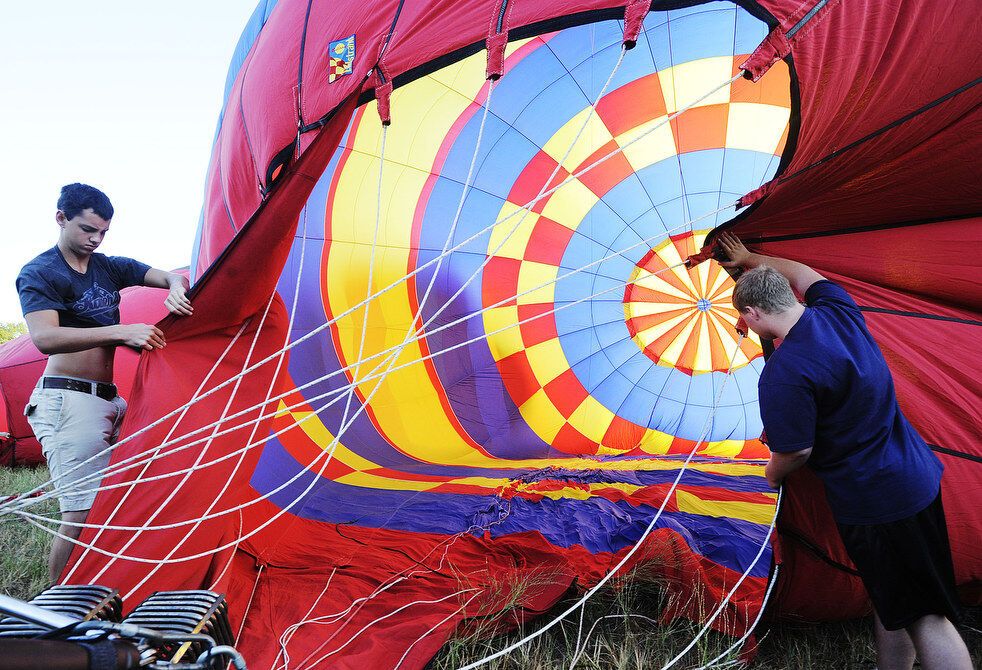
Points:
x=70 y=299
x=827 y=399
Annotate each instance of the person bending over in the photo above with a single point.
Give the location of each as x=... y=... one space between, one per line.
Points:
x=827 y=400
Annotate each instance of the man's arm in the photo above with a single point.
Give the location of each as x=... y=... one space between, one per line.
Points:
x=781 y=465
x=177 y=301
x=51 y=338
x=798 y=274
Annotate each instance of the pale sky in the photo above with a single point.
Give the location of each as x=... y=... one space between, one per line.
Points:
x=121 y=94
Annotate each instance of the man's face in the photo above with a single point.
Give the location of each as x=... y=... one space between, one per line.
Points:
x=760 y=322
x=84 y=232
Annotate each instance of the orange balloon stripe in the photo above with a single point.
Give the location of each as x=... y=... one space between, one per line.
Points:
x=687 y=357
x=639 y=324
x=717 y=348
x=640 y=293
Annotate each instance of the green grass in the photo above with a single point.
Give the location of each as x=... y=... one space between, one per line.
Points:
x=620 y=627
x=24 y=547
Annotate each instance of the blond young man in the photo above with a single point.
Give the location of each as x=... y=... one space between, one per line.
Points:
x=827 y=400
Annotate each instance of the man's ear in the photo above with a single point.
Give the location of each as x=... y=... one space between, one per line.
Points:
x=61 y=218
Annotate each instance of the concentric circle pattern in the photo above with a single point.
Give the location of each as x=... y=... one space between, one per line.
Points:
x=682 y=317
x=542 y=324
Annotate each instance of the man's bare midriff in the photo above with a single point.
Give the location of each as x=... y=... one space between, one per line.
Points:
x=96 y=364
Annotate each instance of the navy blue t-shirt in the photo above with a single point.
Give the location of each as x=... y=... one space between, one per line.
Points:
x=828 y=387
x=81 y=300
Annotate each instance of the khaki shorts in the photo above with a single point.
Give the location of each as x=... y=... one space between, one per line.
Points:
x=73 y=426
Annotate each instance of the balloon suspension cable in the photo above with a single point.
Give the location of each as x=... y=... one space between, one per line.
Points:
x=359 y=360
x=732 y=592
x=136 y=460
x=500 y=330
x=248 y=607
x=156 y=451
x=290 y=630
x=337 y=397
x=760 y=613
x=627 y=556
x=174 y=491
x=255 y=427
x=417 y=270
x=288 y=392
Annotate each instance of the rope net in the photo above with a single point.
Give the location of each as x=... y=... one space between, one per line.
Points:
x=458 y=306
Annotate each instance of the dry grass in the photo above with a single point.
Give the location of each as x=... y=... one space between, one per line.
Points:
x=627 y=635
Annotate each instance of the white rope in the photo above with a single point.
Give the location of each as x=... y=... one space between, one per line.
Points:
x=252 y=595
x=228 y=564
x=471 y=315
x=432 y=629
x=291 y=630
x=329 y=452
x=128 y=463
x=753 y=626
x=582 y=601
x=729 y=596
x=269 y=391
x=389 y=615
x=154 y=453
x=317 y=411
x=419 y=269
x=175 y=490
x=320 y=409
x=553 y=189
x=623 y=615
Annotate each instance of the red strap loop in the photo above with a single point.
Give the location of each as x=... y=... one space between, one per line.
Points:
x=634 y=15
x=383 y=96
x=774 y=47
x=695 y=259
x=495 y=45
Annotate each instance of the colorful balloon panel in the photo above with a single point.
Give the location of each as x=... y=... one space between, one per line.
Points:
x=547 y=358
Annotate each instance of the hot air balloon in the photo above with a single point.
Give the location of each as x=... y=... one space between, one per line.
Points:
x=447 y=354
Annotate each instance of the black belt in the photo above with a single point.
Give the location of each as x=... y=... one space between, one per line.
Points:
x=104 y=391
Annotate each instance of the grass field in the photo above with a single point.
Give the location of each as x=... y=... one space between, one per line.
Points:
x=23 y=547
x=619 y=629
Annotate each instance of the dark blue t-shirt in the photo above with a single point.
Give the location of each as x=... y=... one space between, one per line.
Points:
x=81 y=300
x=828 y=387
